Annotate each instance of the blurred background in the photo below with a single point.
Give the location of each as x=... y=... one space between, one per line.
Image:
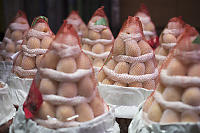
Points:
x=117 y=11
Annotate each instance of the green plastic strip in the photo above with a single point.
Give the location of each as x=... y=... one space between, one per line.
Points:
x=40 y=17
x=101 y=21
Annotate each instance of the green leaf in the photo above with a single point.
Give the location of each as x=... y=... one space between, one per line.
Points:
x=197 y=40
x=101 y=21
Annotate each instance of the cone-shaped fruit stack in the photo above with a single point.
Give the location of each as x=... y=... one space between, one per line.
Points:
x=35 y=44
x=100 y=39
x=149 y=29
x=67 y=82
x=14 y=36
x=168 y=38
x=178 y=95
x=78 y=24
x=132 y=63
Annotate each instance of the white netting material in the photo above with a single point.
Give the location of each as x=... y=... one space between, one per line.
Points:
x=37 y=34
x=33 y=52
x=24 y=72
x=130 y=59
x=93 y=42
x=129 y=37
x=168 y=45
x=126 y=78
x=188 y=56
x=102 y=55
x=173 y=31
x=175 y=105
x=149 y=33
x=97 y=28
x=160 y=57
x=63 y=77
x=181 y=81
x=64 y=50
x=60 y=100
x=19 y=26
x=145 y=19
x=73 y=21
